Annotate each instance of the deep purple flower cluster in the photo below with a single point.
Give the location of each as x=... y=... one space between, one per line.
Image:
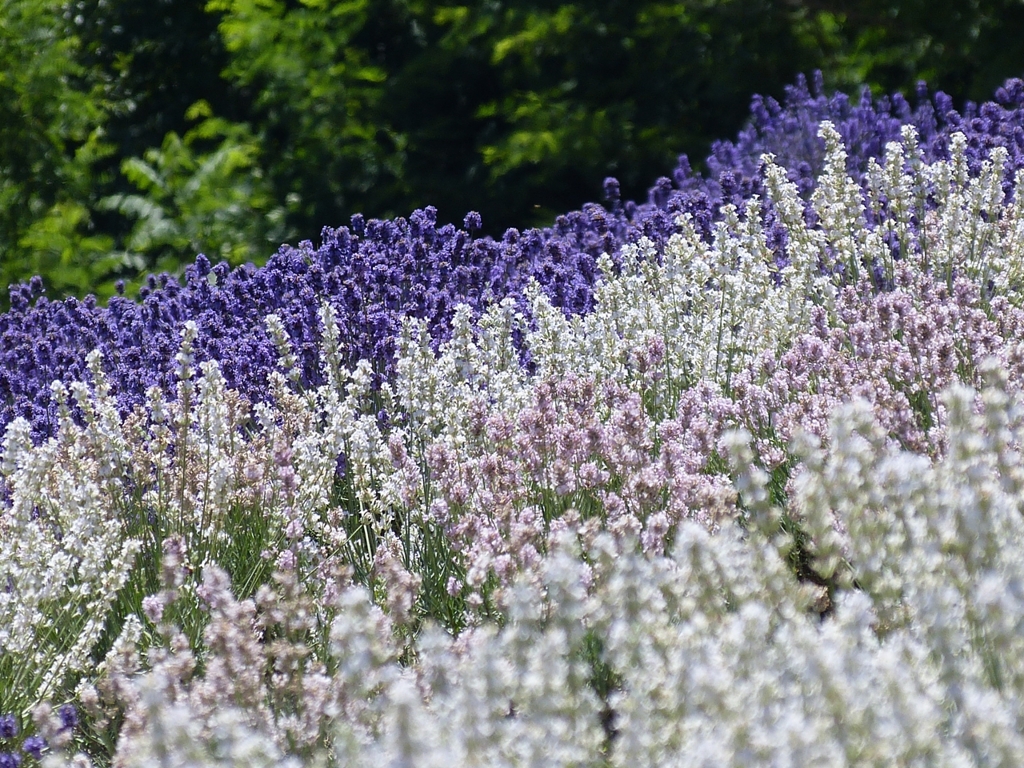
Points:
x=32 y=746
x=373 y=272
x=790 y=132
x=377 y=272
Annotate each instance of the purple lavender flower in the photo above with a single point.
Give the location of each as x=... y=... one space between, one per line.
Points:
x=8 y=726
x=68 y=717
x=34 y=746
x=394 y=269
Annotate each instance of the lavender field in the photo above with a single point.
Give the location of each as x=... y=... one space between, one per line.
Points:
x=733 y=476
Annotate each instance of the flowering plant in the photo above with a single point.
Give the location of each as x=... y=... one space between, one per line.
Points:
x=666 y=488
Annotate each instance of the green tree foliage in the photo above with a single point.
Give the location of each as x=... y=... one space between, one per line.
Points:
x=133 y=135
x=51 y=133
x=317 y=81
x=201 y=190
x=517 y=110
x=152 y=61
x=103 y=172
x=593 y=89
x=965 y=47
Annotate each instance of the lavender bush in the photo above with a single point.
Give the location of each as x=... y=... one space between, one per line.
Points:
x=375 y=273
x=754 y=498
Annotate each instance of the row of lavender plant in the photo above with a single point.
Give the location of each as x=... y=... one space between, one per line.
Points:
x=375 y=273
x=650 y=546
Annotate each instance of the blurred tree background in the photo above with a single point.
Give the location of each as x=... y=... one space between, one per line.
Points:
x=134 y=135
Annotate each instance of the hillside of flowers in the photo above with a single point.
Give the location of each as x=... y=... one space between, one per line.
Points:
x=733 y=476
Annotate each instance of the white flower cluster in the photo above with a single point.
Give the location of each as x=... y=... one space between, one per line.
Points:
x=716 y=653
x=64 y=554
x=714 y=307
